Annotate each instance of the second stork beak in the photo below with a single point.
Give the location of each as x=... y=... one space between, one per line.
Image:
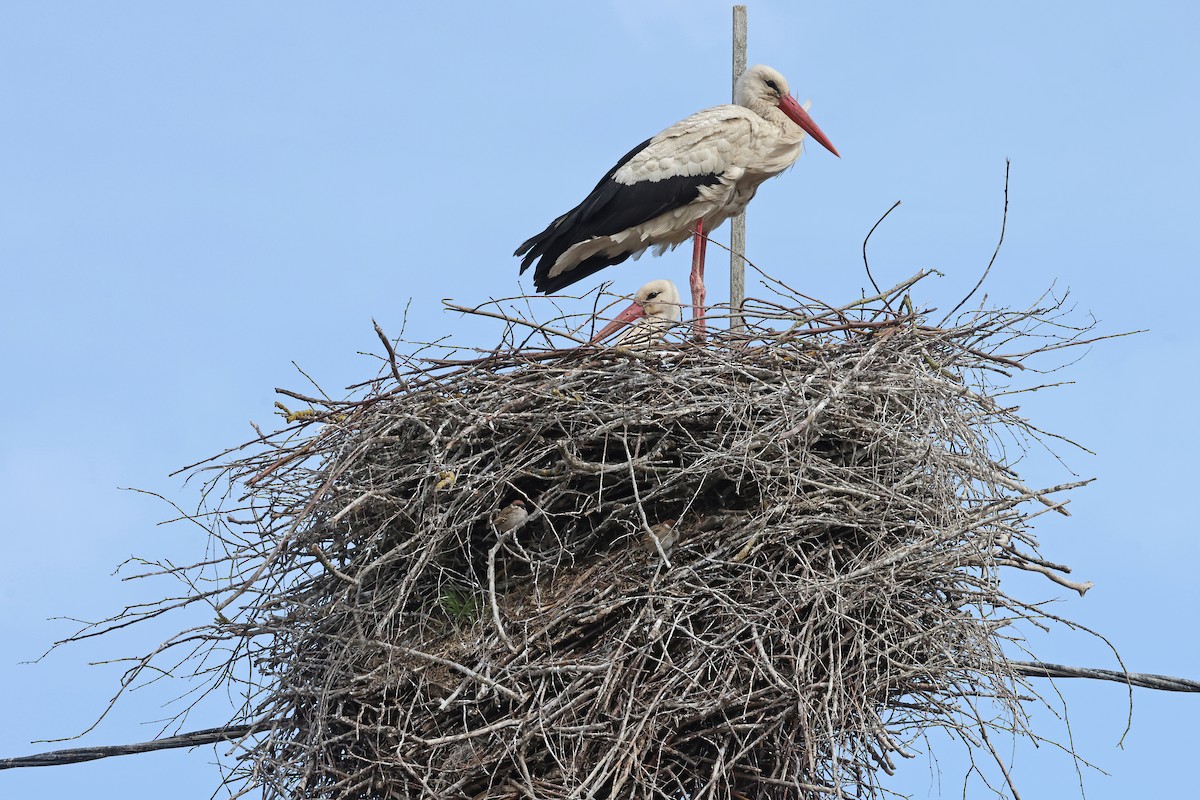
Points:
x=627 y=316
x=798 y=115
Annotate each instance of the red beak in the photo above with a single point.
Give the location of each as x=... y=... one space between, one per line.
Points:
x=798 y=115
x=627 y=316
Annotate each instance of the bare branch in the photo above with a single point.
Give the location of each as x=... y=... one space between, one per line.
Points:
x=76 y=755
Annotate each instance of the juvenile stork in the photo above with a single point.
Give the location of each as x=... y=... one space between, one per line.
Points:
x=683 y=182
x=654 y=309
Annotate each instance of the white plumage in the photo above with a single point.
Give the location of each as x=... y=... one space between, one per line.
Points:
x=656 y=307
x=688 y=179
x=716 y=142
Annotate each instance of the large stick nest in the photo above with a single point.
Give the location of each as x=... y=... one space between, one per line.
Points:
x=843 y=502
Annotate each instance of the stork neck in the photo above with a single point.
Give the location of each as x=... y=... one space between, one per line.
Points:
x=772 y=114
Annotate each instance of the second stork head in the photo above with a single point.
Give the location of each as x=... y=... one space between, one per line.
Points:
x=655 y=308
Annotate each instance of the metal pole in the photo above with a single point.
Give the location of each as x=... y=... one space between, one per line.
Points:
x=737 y=239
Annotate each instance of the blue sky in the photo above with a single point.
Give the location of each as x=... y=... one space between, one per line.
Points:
x=192 y=195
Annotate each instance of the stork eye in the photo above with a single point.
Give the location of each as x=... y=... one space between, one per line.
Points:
x=653 y=295
x=773 y=85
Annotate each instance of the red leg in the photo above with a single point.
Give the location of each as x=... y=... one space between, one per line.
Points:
x=699 y=243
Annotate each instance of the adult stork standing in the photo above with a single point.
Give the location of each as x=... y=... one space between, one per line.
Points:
x=683 y=182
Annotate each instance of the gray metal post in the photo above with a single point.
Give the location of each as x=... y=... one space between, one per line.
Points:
x=737 y=239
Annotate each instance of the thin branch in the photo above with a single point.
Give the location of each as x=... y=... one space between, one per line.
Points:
x=1163 y=683
x=996 y=252
x=867 y=264
x=76 y=755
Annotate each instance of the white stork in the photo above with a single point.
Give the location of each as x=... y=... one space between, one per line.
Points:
x=686 y=180
x=654 y=309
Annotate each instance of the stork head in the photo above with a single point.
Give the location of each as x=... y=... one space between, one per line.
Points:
x=763 y=90
x=658 y=299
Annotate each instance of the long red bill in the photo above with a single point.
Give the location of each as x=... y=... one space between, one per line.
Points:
x=798 y=115
x=627 y=316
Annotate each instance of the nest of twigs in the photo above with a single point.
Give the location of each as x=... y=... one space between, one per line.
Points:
x=843 y=506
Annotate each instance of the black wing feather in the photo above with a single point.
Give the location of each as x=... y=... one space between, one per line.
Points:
x=610 y=208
